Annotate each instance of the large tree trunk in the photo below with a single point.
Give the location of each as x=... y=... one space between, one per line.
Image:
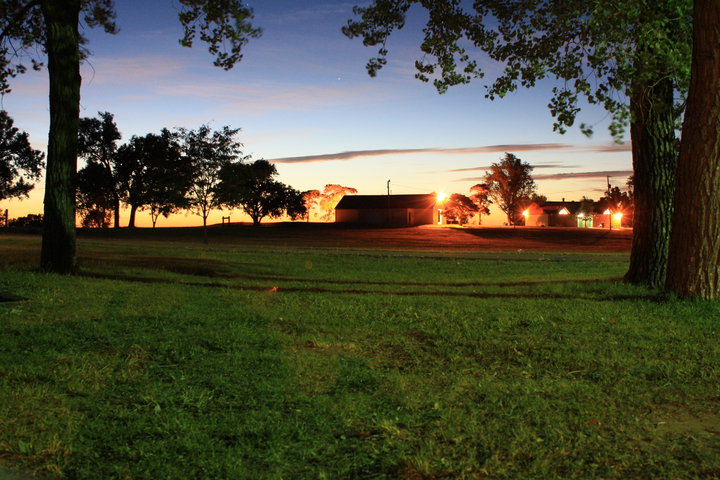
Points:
x=62 y=44
x=654 y=164
x=116 y=208
x=131 y=221
x=693 y=269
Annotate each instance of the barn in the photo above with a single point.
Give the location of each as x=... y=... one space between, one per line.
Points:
x=388 y=210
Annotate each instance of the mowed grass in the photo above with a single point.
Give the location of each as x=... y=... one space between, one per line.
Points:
x=174 y=361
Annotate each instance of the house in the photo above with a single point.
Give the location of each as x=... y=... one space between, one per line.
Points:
x=554 y=214
x=394 y=210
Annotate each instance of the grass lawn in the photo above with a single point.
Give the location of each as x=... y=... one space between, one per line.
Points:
x=179 y=360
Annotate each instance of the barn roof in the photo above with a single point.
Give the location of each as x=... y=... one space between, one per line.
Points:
x=360 y=202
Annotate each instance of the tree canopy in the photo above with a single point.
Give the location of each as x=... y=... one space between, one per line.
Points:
x=510 y=184
x=251 y=186
x=599 y=49
x=97 y=145
x=208 y=151
x=480 y=196
x=20 y=165
x=459 y=208
x=153 y=174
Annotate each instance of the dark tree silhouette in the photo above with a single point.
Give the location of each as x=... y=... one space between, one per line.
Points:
x=97 y=145
x=153 y=174
x=459 y=208
x=480 y=196
x=20 y=165
x=94 y=196
x=510 y=184
x=28 y=27
x=606 y=51
x=208 y=152
x=251 y=187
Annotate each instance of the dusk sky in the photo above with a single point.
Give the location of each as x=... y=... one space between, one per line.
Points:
x=304 y=101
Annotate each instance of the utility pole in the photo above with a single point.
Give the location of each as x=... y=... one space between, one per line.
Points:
x=608 y=196
x=387 y=219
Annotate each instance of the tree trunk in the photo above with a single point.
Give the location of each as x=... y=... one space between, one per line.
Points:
x=116 y=210
x=654 y=163
x=62 y=44
x=693 y=269
x=131 y=222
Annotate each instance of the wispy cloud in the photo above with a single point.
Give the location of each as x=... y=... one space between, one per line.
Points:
x=475 y=169
x=613 y=148
x=403 y=151
x=568 y=176
x=584 y=175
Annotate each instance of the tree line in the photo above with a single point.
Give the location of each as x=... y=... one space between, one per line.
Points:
x=197 y=170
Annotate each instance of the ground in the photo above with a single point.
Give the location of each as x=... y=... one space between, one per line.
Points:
x=413 y=238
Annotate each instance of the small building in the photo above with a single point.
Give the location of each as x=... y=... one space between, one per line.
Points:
x=554 y=214
x=571 y=214
x=389 y=210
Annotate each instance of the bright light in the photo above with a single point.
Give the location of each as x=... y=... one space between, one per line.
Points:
x=441 y=197
x=606 y=212
x=618 y=216
x=526 y=213
x=580 y=215
x=563 y=211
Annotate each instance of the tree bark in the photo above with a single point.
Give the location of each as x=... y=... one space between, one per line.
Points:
x=62 y=44
x=694 y=269
x=654 y=164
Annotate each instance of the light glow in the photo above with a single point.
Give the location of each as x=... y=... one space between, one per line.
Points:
x=618 y=216
x=607 y=212
x=526 y=213
x=563 y=211
x=441 y=197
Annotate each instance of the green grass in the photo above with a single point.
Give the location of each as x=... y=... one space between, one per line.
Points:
x=166 y=361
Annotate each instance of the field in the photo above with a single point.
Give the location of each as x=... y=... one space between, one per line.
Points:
x=313 y=352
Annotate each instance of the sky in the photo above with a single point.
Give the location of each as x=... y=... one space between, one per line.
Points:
x=303 y=100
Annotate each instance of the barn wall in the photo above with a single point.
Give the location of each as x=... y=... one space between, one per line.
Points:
x=347 y=216
x=423 y=216
x=381 y=216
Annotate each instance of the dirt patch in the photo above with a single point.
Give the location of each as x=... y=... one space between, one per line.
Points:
x=687 y=423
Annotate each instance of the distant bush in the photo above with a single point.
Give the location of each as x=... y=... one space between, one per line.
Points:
x=30 y=220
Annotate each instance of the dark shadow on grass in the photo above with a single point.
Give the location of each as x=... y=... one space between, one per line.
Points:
x=9 y=297
x=275 y=289
x=184 y=266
